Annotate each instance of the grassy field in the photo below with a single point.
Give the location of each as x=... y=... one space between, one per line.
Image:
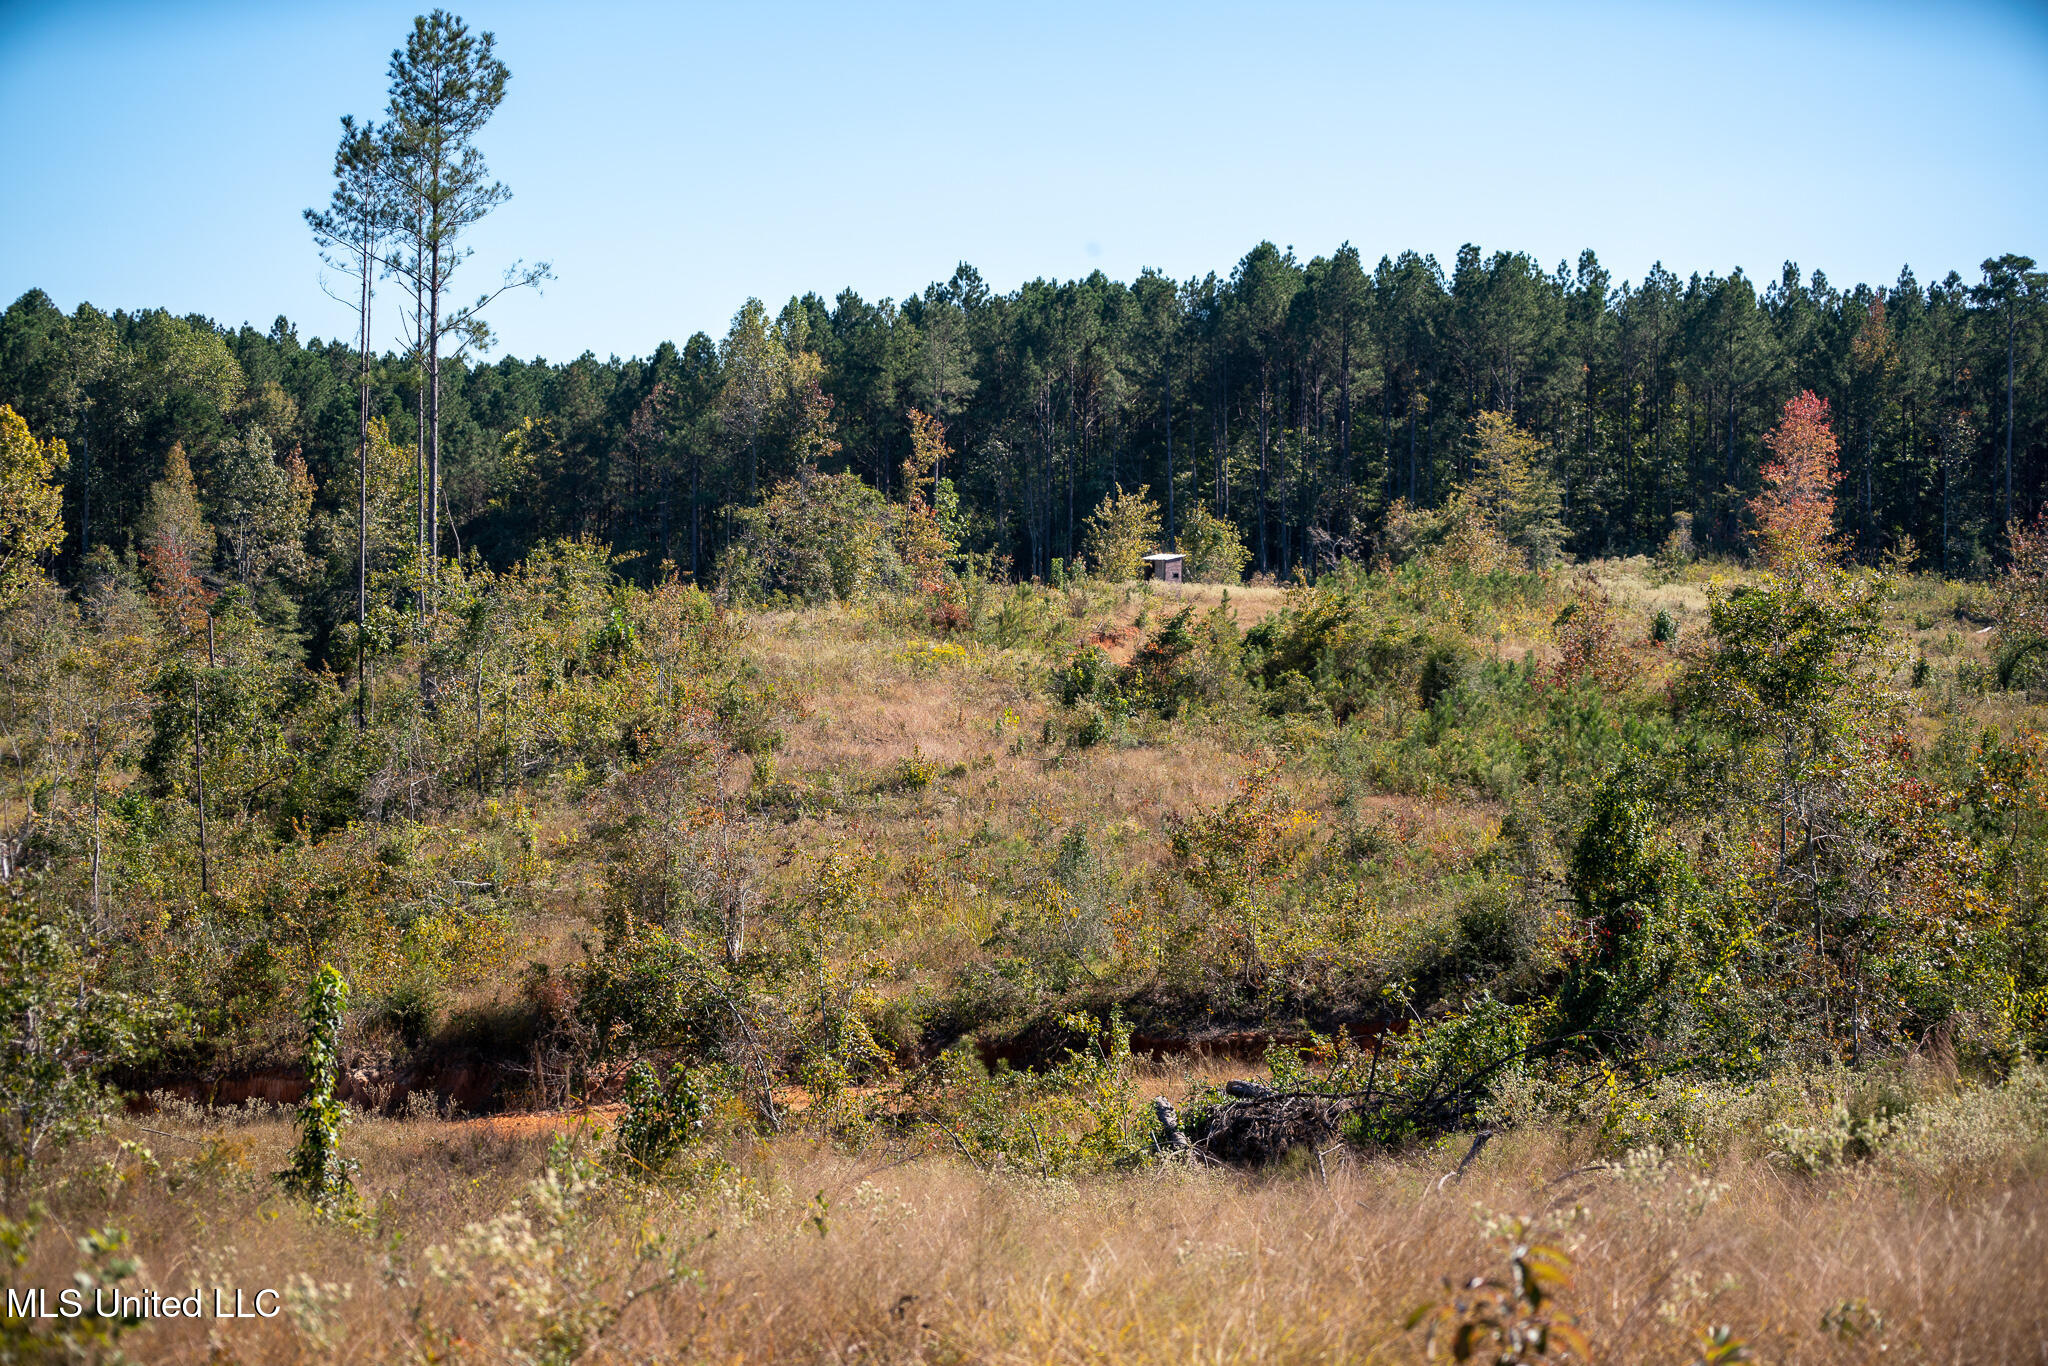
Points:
x=792 y=1250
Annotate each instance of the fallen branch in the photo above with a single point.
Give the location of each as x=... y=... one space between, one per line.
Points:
x=1479 y=1140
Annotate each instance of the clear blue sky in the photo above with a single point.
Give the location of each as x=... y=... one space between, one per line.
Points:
x=672 y=160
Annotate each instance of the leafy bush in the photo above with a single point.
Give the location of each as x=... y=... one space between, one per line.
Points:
x=1495 y=934
x=1632 y=890
x=912 y=773
x=1079 y=1115
x=1215 y=551
x=59 y=1034
x=104 y=1262
x=1589 y=643
x=1841 y=1138
x=1445 y=670
x=1509 y=1321
x=1186 y=662
x=815 y=538
x=1048 y=940
x=653 y=991
x=662 y=1117
x=411 y=1009
x=1088 y=672
x=1344 y=638
x=1122 y=530
x=1026 y=615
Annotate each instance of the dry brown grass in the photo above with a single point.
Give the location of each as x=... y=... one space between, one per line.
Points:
x=920 y=1258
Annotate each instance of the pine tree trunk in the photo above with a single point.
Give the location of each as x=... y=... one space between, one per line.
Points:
x=363 y=504
x=1344 y=429
x=2009 y=326
x=434 y=419
x=1411 y=450
x=419 y=323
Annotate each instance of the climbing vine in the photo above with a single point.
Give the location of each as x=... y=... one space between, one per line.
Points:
x=319 y=1174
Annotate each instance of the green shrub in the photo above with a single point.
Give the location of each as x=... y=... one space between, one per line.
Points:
x=1215 y=551
x=1186 y=662
x=1027 y=616
x=652 y=990
x=1102 y=721
x=814 y=538
x=58 y=1035
x=1838 y=1140
x=1494 y=935
x=1079 y=1115
x=912 y=773
x=104 y=1262
x=1347 y=638
x=1445 y=670
x=1088 y=672
x=1515 y=1319
x=1632 y=887
x=661 y=1119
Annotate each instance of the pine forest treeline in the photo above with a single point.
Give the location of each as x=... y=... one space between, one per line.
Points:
x=1296 y=399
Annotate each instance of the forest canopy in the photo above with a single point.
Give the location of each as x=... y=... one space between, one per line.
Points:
x=1298 y=400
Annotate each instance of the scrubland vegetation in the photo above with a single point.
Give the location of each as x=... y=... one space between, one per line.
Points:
x=1631 y=960
x=723 y=857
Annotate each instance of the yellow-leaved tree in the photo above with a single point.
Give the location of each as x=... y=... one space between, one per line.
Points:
x=1513 y=487
x=1122 y=530
x=1216 y=553
x=31 y=504
x=921 y=537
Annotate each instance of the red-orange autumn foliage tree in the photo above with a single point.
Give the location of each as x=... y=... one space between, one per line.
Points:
x=1795 y=512
x=181 y=599
x=174 y=537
